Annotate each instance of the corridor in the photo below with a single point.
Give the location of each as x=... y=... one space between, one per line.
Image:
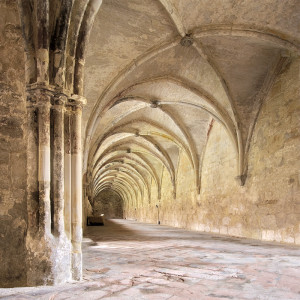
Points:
x=130 y=260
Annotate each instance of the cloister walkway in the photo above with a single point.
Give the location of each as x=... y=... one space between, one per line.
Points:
x=130 y=260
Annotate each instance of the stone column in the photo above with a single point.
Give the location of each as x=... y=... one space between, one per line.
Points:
x=39 y=238
x=84 y=199
x=76 y=183
x=58 y=164
x=44 y=170
x=67 y=172
x=32 y=166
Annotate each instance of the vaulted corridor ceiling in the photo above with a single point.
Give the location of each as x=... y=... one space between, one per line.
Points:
x=159 y=73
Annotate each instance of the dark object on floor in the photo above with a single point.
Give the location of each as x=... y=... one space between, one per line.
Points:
x=95 y=221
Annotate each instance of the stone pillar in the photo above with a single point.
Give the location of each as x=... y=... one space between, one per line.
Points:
x=67 y=172
x=39 y=238
x=84 y=205
x=32 y=166
x=58 y=164
x=76 y=183
x=44 y=171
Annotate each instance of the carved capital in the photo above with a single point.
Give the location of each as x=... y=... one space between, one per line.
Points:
x=39 y=94
x=31 y=101
x=59 y=101
x=76 y=101
x=42 y=94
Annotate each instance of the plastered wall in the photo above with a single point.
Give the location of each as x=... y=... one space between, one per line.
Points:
x=13 y=211
x=267 y=207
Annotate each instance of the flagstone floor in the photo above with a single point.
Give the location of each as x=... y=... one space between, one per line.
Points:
x=127 y=260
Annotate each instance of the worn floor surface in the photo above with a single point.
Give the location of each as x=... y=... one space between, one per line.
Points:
x=129 y=260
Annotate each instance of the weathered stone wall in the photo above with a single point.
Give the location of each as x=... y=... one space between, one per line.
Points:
x=268 y=206
x=108 y=203
x=13 y=213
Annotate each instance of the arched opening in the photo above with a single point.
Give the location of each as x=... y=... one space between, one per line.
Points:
x=108 y=203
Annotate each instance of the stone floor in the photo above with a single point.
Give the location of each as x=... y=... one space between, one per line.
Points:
x=129 y=260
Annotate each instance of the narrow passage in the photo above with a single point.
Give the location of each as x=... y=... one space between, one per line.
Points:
x=130 y=260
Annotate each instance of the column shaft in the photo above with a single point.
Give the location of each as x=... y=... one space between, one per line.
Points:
x=32 y=167
x=76 y=194
x=44 y=164
x=58 y=166
x=67 y=173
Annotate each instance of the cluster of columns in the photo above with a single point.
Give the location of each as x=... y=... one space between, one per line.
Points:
x=54 y=195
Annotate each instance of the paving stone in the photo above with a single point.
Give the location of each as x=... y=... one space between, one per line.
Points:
x=207 y=267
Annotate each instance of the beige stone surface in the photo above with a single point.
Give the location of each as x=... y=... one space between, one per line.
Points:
x=187 y=110
x=267 y=207
x=13 y=215
x=131 y=260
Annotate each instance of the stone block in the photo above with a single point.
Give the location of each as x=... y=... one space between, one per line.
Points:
x=268 y=222
x=297 y=238
x=226 y=221
x=224 y=230
x=235 y=230
x=18 y=170
x=215 y=230
x=288 y=239
x=5 y=177
x=268 y=235
x=4 y=157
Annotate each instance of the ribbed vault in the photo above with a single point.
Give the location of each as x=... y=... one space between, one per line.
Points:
x=159 y=73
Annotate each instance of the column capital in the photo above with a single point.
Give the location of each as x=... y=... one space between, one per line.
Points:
x=39 y=87
x=59 y=101
x=77 y=101
x=38 y=94
x=43 y=93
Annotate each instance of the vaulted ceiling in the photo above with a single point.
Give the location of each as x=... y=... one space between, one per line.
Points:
x=159 y=73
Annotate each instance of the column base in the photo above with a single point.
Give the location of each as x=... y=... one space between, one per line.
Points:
x=48 y=260
x=76 y=266
x=61 y=256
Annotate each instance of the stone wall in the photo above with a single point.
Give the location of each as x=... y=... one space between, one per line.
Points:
x=108 y=203
x=267 y=207
x=13 y=213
